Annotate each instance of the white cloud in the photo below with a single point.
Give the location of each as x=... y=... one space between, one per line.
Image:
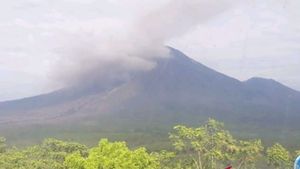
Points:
x=255 y=38
x=251 y=40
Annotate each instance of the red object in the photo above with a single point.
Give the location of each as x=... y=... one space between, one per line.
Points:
x=229 y=167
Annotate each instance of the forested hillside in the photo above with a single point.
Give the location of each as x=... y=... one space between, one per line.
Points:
x=208 y=146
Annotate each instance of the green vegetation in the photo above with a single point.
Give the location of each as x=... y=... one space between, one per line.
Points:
x=112 y=155
x=2 y=145
x=279 y=157
x=49 y=155
x=209 y=146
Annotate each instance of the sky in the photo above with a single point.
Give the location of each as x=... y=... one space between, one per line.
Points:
x=41 y=39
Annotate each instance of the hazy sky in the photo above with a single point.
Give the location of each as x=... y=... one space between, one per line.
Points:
x=249 y=38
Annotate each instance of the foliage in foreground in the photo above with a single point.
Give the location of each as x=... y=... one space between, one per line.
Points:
x=209 y=146
x=112 y=155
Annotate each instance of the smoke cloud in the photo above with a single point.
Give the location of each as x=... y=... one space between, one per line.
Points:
x=113 y=53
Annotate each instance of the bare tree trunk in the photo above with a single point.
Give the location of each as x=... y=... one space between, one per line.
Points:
x=195 y=161
x=240 y=165
x=199 y=160
x=212 y=162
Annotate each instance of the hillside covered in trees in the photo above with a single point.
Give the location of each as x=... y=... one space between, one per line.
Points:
x=209 y=146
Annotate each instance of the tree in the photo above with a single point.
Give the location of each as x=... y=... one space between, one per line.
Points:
x=206 y=146
x=296 y=154
x=58 y=149
x=2 y=144
x=113 y=156
x=190 y=141
x=279 y=157
x=248 y=153
x=50 y=155
x=166 y=159
x=220 y=144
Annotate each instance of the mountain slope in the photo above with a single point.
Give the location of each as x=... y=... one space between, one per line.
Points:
x=177 y=90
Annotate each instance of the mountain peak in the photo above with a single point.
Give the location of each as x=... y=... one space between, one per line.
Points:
x=267 y=84
x=262 y=80
x=178 y=90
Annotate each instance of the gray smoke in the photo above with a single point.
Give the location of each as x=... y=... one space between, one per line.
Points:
x=113 y=54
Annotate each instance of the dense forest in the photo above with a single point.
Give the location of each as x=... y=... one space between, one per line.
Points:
x=210 y=146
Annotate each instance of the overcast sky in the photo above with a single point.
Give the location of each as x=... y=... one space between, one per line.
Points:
x=251 y=38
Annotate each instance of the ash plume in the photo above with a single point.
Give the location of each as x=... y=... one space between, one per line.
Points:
x=114 y=53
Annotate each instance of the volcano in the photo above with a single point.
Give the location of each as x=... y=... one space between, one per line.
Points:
x=178 y=90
